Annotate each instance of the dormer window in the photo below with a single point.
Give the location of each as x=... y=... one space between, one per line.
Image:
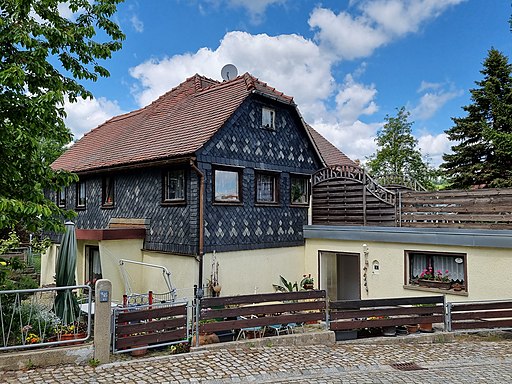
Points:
x=268 y=117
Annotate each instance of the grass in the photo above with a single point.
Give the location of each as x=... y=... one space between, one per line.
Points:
x=93 y=363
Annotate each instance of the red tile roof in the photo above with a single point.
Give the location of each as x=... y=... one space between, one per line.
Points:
x=329 y=153
x=175 y=125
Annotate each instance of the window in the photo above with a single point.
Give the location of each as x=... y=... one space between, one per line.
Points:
x=107 y=191
x=428 y=267
x=80 y=194
x=268 y=118
x=266 y=188
x=299 y=190
x=227 y=186
x=61 y=197
x=174 y=186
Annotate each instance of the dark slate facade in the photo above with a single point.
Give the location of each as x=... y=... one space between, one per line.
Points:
x=138 y=194
x=241 y=142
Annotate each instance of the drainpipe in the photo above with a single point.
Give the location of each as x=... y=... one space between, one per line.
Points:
x=201 y=223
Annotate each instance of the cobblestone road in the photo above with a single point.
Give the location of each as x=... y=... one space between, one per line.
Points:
x=453 y=362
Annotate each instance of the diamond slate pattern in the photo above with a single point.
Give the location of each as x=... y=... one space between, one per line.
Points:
x=217 y=123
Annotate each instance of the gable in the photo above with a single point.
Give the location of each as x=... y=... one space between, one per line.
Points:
x=243 y=137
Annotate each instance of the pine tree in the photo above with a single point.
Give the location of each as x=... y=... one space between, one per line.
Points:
x=483 y=153
x=398 y=153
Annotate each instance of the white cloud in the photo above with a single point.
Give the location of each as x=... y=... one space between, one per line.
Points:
x=378 y=23
x=431 y=102
x=256 y=8
x=137 y=24
x=425 y=85
x=303 y=68
x=85 y=115
x=434 y=147
x=356 y=140
x=355 y=99
x=290 y=63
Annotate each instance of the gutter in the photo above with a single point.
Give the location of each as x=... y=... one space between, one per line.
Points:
x=201 y=222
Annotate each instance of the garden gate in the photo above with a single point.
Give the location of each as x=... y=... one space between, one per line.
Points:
x=150 y=326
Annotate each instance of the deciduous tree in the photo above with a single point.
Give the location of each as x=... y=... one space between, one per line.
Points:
x=43 y=56
x=398 y=153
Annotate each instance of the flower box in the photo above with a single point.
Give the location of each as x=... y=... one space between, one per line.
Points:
x=434 y=284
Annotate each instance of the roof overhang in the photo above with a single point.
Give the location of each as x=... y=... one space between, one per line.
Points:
x=111 y=234
x=145 y=164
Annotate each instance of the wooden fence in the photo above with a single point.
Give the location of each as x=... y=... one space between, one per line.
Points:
x=475 y=315
x=347 y=195
x=149 y=326
x=358 y=314
x=483 y=208
x=233 y=313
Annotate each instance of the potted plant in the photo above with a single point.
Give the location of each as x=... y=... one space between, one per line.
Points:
x=307 y=282
x=435 y=279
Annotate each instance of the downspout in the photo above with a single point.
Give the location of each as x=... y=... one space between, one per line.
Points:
x=201 y=222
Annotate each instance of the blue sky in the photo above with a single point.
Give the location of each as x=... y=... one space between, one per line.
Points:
x=347 y=63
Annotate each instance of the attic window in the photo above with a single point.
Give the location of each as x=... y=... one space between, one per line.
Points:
x=268 y=117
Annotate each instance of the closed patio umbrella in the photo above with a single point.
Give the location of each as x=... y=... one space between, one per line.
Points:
x=66 y=304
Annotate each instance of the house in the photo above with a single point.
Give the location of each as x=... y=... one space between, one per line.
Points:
x=211 y=181
x=366 y=241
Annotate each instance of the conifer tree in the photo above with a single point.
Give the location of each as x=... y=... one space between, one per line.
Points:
x=482 y=155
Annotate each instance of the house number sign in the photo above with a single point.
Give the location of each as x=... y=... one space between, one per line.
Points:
x=103 y=296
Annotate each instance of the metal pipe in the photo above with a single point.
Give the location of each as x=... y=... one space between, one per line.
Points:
x=201 y=222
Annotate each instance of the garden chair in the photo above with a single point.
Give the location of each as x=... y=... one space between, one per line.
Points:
x=256 y=331
x=277 y=329
x=291 y=327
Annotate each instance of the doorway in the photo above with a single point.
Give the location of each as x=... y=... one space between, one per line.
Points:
x=339 y=275
x=92 y=265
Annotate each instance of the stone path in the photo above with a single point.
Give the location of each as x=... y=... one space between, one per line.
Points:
x=466 y=361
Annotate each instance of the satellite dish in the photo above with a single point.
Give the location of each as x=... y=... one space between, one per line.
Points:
x=229 y=72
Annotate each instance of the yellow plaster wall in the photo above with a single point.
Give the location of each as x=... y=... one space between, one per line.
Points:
x=48 y=261
x=247 y=272
x=488 y=269
x=184 y=272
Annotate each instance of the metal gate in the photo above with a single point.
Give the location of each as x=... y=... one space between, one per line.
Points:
x=151 y=326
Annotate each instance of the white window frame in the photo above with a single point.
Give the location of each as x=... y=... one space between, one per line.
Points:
x=268 y=118
x=455 y=263
x=81 y=194
x=61 y=197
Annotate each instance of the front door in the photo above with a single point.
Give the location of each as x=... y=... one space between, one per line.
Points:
x=339 y=275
